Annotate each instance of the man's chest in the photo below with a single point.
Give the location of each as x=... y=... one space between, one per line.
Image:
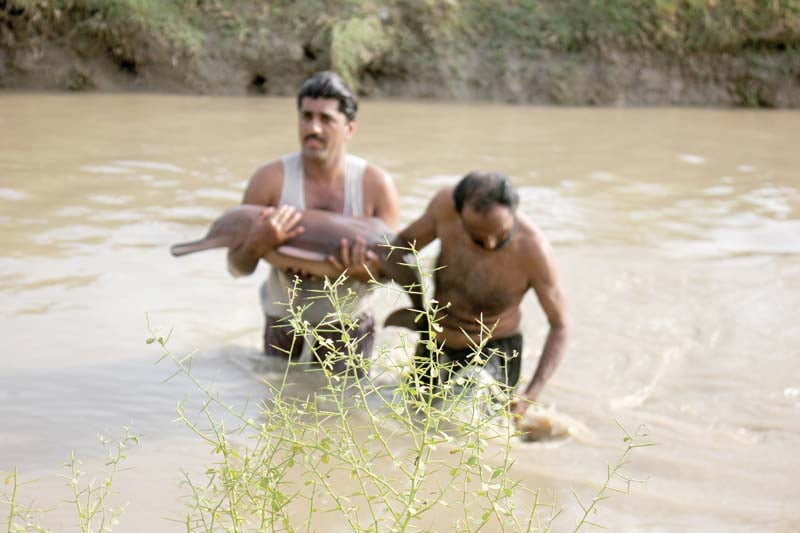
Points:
x=491 y=281
x=325 y=197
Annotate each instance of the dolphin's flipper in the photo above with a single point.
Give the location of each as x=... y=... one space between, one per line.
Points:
x=313 y=267
x=403 y=318
x=300 y=253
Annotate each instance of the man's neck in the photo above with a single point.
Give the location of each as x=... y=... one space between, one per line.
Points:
x=510 y=235
x=327 y=170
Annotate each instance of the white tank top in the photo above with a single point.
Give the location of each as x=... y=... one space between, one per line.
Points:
x=275 y=290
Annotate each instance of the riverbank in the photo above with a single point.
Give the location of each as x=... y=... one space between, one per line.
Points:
x=573 y=52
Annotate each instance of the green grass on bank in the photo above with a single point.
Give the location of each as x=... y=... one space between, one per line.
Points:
x=570 y=25
x=398 y=39
x=674 y=26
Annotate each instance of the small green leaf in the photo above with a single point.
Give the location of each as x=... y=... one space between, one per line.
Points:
x=150 y=340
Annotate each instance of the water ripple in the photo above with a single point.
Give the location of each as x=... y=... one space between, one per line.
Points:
x=13 y=195
x=150 y=165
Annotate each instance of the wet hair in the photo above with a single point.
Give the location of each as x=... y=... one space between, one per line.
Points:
x=328 y=84
x=482 y=190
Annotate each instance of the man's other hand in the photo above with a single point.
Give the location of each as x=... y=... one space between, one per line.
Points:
x=358 y=262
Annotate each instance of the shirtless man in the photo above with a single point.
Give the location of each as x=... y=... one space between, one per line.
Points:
x=321 y=176
x=490 y=256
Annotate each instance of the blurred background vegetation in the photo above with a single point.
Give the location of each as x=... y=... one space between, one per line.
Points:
x=610 y=52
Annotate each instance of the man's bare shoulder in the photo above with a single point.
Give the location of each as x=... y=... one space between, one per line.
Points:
x=442 y=203
x=268 y=172
x=432 y=223
x=380 y=195
x=377 y=182
x=264 y=187
x=374 y=173
x=534 y=246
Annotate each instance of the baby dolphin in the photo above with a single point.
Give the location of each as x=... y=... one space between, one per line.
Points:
x=309 y=251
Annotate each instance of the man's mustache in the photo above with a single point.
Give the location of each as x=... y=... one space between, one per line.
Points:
x=315 y=137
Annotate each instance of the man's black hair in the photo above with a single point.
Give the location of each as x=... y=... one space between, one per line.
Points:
x=482 y=190
x=328 y=84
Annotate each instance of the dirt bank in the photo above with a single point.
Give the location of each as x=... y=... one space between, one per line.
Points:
x=533 y=52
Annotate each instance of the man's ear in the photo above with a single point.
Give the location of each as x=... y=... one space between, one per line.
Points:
x=351 y=129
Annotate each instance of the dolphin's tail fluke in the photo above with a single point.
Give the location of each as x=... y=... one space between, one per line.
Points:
x=185 y=248
x=404 y=318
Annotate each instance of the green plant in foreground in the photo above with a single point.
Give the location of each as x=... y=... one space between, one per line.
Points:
x=90 y=496
x=613 y=473
x=402 y=454
x=359 y=455
x=354 y=454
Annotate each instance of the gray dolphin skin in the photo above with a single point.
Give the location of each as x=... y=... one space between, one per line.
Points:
x=310 y=250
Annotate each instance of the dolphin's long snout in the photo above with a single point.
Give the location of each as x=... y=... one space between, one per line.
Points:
x=191 y=247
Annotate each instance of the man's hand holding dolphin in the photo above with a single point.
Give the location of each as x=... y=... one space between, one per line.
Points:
x=273 y=227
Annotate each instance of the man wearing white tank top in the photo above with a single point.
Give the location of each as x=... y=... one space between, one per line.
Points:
x=321 y=176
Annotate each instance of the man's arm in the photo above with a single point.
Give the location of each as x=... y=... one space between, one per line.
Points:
x=381 y=192
x=423 y=230
x=545 y=282
x=417 y=235
x=274 y=226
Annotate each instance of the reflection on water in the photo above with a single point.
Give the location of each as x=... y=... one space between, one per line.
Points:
x=677 y=232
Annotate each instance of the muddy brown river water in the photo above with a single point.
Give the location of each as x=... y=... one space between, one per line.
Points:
x=677 y=231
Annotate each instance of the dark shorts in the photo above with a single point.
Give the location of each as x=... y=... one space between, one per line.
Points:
x=281 y=341
x=501 y=358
